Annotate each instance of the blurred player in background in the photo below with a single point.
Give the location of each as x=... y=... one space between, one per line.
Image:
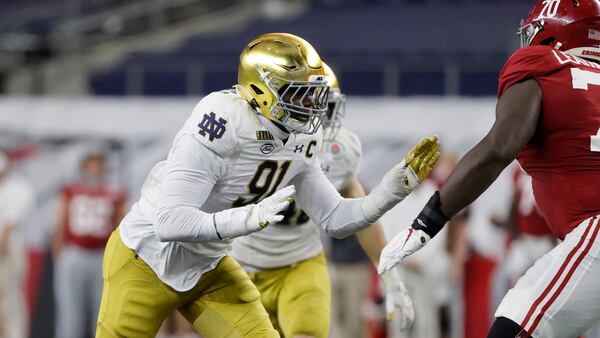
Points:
x=548 y=117
x=89 y=209
x=16 y=200
x=222 y=180
x=532 y=236
x=286 y=261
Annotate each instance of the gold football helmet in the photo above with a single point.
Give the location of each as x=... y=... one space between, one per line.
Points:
x=336 y=105
x=282 y=77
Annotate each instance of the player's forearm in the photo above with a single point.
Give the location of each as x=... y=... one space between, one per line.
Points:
x=59 y=229
x=346 y=219
x=356 y=214
x=372 y=240
x=517 y=113
x=184 y=224
x=472 y=176
x=341 y=217
x=57 y=241
x=188 y=224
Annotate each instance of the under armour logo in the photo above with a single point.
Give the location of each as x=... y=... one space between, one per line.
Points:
x=210 y=125
x=299 y=148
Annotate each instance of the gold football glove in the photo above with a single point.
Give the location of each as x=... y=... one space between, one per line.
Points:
x=403 y=178
x=423 y=157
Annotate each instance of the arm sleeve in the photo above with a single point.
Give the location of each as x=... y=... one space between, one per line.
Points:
x=524 y=64
x=191 y=171
x=339 y=217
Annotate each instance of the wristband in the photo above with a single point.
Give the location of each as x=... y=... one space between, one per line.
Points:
x=431 y=219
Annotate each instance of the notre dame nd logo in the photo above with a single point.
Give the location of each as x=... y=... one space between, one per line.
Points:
x=212 y=127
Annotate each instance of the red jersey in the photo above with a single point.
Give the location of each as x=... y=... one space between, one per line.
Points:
x=563 y=156
x=528 y=218
x=91 y=214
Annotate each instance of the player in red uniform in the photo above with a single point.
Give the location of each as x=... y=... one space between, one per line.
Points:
x=548 y=117
x=89 y=210
x=533 y=238
x=527 y=217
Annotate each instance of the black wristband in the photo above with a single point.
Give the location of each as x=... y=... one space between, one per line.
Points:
x=431 y=219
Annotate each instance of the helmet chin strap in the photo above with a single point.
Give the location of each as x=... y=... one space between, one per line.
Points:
x=273 y=128
x=278 y=131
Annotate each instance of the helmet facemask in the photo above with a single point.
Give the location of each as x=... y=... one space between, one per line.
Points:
x=527 y=32
x=300 y=106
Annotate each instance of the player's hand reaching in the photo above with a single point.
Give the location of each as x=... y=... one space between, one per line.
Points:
x=402 y=245
x=414 y=168
x=423 y=156
x=266 y=211
x=402 y=178
x=427 y=224
x=236 y=222
x=397 y=301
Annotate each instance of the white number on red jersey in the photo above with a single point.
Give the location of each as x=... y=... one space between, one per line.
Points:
x=89 y=216
x=581 y=80
x=595 y=142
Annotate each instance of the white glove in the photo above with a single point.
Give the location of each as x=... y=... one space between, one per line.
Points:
x=265 y=212
x=254 y=217
x=397 y=301
x=401 y=180
x=403 y=244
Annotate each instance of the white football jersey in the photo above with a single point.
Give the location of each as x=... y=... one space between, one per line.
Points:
x=16 y=200
x=246 y=164
x=297 y=238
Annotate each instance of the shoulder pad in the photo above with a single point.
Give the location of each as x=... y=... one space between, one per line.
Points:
x=526 y=63
x=214 y=122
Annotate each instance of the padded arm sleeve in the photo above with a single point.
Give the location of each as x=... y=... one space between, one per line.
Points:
x=338 y=216
x=191 y=171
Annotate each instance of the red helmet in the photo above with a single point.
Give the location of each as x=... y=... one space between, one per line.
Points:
x=568 y=25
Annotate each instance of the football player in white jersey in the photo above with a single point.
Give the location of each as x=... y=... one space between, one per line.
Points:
x=235 y=164
x=286 y=262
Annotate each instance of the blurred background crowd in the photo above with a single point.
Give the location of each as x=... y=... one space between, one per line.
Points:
x=92 y=92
